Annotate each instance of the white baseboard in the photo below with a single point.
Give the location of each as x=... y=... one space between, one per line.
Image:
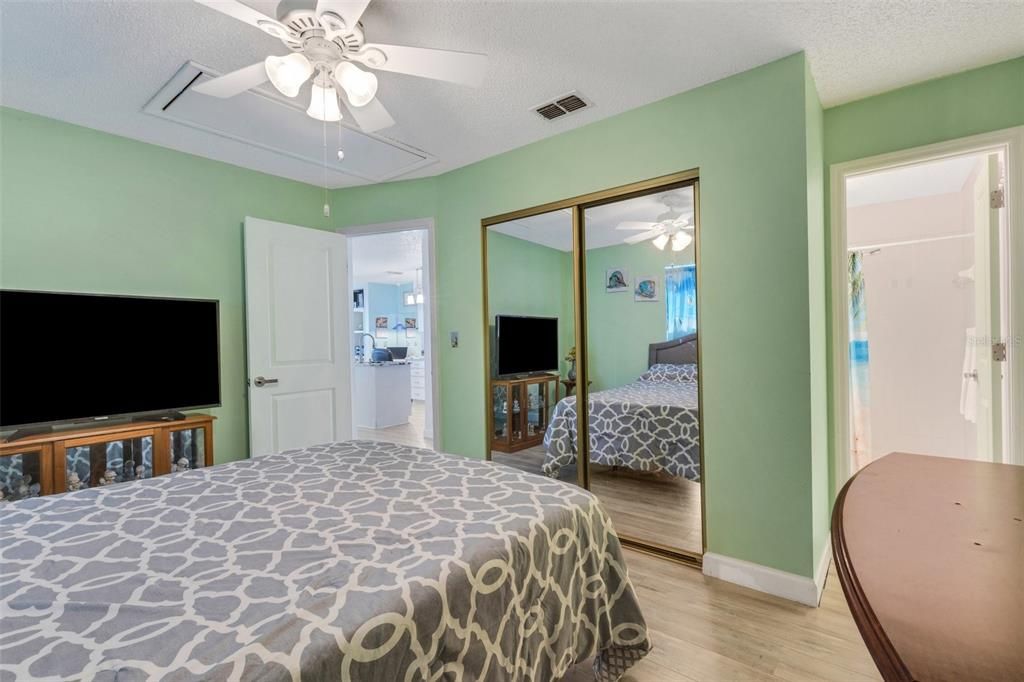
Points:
x=791 y=586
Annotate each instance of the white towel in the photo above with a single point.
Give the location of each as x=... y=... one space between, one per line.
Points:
x=968 y=382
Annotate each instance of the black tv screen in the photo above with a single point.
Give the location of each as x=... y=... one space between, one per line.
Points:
x=70 y=357
x=526 y=344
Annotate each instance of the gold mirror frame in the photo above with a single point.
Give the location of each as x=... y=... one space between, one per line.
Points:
x=578 y=206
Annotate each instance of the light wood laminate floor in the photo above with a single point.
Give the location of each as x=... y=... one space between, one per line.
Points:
x=411 y=434
x=706 y=629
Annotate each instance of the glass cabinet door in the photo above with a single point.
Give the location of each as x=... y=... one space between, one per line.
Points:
x=187 y=449
x=20 y=476
x=98 y=464
x=536 y=408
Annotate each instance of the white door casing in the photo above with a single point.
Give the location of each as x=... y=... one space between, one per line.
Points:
x=987 y=323
x=297 y=337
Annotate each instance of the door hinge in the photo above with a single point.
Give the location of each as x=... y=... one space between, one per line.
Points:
x=999 y=352
x=997 y=198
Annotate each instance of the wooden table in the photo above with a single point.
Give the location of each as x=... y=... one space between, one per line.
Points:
x=930 y=555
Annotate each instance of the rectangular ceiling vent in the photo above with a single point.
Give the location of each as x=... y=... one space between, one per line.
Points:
x=566 y=104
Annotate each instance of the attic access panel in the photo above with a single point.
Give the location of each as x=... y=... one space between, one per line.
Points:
x=279 y=125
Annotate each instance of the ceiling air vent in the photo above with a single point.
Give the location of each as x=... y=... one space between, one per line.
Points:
x=562 y=106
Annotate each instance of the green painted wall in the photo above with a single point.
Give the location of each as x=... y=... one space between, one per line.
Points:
x=816 y=278
x=621 y=329
x=526 y=278
x=977 y=101
x=81 y=210
x=747 y=134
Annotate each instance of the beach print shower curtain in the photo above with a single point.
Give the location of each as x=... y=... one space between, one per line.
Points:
x=680 y=301
x=860 y=393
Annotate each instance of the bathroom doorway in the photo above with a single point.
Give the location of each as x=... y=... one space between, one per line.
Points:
x=926 y=300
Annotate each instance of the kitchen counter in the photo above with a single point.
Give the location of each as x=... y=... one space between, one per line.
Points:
x=382 y=394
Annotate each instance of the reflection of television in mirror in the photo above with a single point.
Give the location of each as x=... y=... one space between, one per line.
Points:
x=78 y=357
x=526 y=345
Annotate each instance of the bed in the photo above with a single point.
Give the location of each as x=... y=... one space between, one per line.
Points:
x=650 y=425
x=349 y=561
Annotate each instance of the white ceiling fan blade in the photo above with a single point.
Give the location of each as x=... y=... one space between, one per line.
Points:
x=231 y=84
x=465 y=68
x=635 y=225
x=371 y=117
x=237 y=10
x=348 y=10
x=644 y=236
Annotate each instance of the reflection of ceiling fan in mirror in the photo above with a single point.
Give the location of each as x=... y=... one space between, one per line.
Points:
x=327 y=42
x=671 y=226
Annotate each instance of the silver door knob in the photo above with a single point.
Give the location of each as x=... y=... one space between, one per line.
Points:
x=260 y=382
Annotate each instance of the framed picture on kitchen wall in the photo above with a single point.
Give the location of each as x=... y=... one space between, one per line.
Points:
x=381 y=322
x=410 y=323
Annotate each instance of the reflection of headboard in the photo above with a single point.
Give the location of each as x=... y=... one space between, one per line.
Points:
x=679 y=351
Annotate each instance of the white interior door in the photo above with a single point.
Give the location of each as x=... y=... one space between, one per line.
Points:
x=297 y=325
x=987 y=322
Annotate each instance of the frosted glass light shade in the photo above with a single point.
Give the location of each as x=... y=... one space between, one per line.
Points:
x=288 y=73
x=680 y=240
x=359 y=85
x=660 y=241
x=323 y=104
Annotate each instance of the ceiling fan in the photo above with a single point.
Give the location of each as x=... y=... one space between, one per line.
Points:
x=671 y=226
x=327 y=42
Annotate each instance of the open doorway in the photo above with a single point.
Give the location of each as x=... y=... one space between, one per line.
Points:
x=394 y=369
x=926 y=299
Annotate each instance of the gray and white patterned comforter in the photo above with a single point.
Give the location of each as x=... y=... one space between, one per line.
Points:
x=650 y=426
x=348 y=561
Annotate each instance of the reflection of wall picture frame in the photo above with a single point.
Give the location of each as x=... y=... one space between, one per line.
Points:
x=646 y=289
x=615 y=280
x=410 y=323
x=381 y=322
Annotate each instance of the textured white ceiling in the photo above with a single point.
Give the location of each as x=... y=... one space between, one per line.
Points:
x=378 y=257
x=97 y=63
x=911 y=182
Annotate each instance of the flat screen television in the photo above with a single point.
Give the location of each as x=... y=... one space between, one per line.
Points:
x=526 y=344
x=78 y=357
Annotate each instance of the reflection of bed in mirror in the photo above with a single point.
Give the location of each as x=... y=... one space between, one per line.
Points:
x=649 y=425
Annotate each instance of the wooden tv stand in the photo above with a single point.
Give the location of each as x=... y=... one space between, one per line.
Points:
x=50 y=459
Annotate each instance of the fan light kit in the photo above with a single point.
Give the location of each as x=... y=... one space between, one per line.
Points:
x=327 y=42
x=671 y=227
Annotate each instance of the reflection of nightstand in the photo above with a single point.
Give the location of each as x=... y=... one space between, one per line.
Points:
x=570 y=386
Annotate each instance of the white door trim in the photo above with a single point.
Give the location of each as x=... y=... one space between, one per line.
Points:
x=435 y=366
x=1011 y=142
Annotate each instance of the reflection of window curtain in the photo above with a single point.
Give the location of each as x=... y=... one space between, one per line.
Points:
x=860 y=393
x=680 y=301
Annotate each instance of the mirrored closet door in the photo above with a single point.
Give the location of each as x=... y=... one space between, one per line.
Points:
x=641 y=321
x=593 y=301
x=530 y=321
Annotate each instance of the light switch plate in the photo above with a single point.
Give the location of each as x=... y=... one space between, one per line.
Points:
x=455 y=339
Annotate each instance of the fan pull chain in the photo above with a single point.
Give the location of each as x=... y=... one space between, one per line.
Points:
x=341 y=152
x=327 y=205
